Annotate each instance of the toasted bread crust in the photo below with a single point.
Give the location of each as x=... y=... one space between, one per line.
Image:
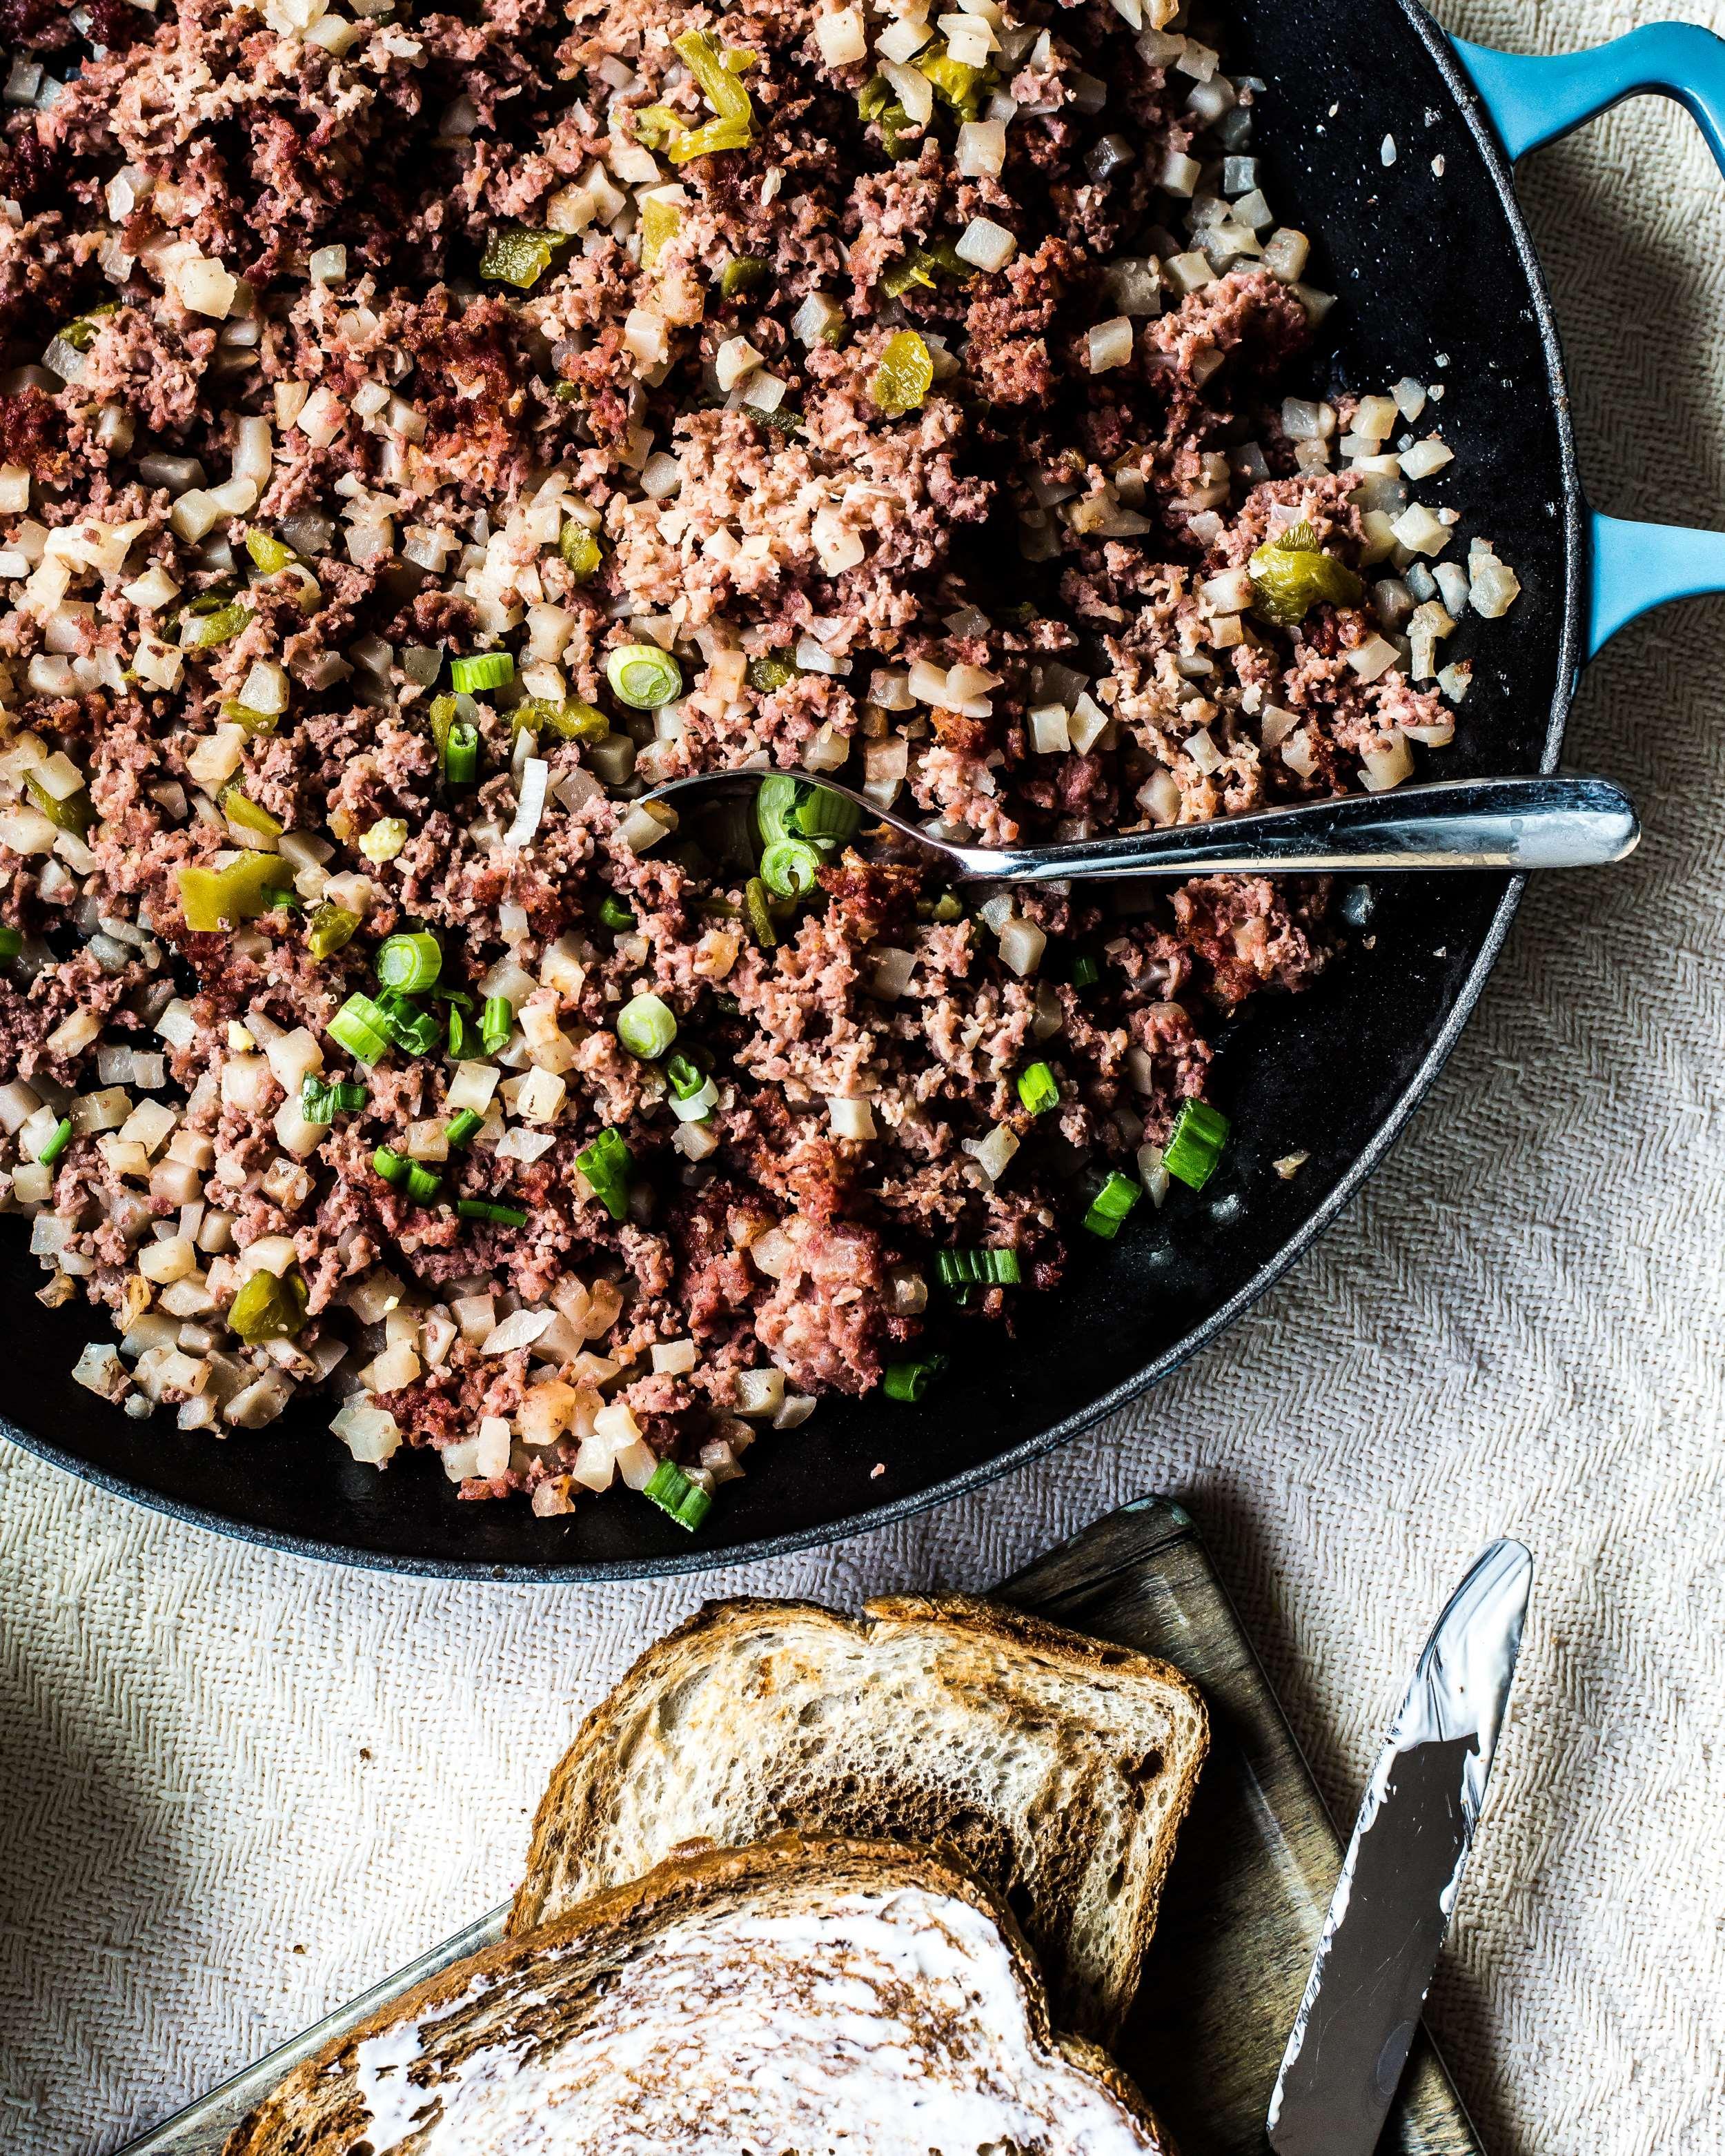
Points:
x=1093 y=1979
x=317 y=2110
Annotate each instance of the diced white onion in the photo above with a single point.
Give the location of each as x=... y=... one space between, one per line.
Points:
x=986 y=245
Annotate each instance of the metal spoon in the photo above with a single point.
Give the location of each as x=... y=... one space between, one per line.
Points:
x=1545 y=822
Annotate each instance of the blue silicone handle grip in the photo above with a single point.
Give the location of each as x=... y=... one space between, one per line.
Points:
x=1534 y=98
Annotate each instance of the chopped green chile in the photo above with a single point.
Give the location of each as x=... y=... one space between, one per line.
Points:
x=222 y=898
x=567 y=717
x=254 y=721
x=758 y=913
x=201 y=631
x=776 y=671
x=239 y=807
x=956 y=83
x=741 y=273
x=11 y=941
x=270 y=1306
x=271 y=555
x=904 y=375
x=580 y=551
x=520 y=256
x=75 y=813
x=659 y=221
x=1291 y=575
x=329 y=930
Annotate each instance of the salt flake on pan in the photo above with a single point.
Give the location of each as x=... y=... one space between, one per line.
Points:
x=1387 y=152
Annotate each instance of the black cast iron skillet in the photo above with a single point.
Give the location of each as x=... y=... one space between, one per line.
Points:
x=1437 y=278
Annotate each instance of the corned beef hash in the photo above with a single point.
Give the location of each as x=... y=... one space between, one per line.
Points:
x=427 y=429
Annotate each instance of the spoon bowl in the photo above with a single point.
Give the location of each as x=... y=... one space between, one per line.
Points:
x=1545 y=821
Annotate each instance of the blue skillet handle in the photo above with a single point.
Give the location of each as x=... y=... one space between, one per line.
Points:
x=1534 y=98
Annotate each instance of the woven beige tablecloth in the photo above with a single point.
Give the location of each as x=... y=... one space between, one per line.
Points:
x=235 y=1788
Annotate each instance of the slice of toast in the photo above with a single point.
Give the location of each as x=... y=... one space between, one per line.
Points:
x=806 y=1996
x=1059 y=1766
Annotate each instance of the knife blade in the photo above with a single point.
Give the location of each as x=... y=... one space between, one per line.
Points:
x=1402 y=1872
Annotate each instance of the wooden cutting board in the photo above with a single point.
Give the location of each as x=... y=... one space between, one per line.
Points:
x=1244 y=1905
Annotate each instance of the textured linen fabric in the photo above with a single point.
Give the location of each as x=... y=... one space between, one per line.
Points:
x=237 y=1788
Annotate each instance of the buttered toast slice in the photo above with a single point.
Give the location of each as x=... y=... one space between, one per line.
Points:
x=1060 y=1767
x=794 y=1999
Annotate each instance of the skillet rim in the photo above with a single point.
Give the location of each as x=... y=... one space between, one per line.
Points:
x=1499 y=174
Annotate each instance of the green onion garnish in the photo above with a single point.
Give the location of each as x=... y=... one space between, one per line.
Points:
x=615 y=915
x=11 y=941
x=643 y=676
x=1195 y=1143
x=646 y=1026
x=320 y=1098
x=775 y=805
x=1086 y=972
x=361 y=1027
x=414 y=1030
x=758 y=913
x=910 y=1381
x=483 y=670
x=409 y=964
x=606 y=1164
x=673 y=1492
x=987 y=1268
x=1110 y=1205
x=487 y=1209
x=789 y=868
x=684 y=1076
x=825 y=816
x=1037 y=1089
x=390 y=1165
x=460 y=752
x=462 y=1040
x=497 y=1023
x=580 y=551
x=329 y=929
x=462 y=1126
x=423 y=1183
x=57 y=1140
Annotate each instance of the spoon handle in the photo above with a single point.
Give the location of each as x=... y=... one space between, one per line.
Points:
x=1518 y=823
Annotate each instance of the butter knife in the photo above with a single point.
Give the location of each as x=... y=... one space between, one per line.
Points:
x=1402 y=1872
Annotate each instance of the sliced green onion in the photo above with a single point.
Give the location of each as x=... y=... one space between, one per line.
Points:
x=410 y=964
x=606 y=1164
x=1086 y=972
x=1195 y=1143
x=329 y=930
x=462 y=1126
x=643 y=676
x=683 y=1076
x=462 y=1040
x=580 y=551
x=267 y=1308
x=910 y=1381
x=1037 y=1089
x=822 y=815
x=409 y=1025
x=987 y=1268
x=497 y=1023
x=58 y=1138
x=646 y=1026
x=460 y=753
x=671 y=1490
x=758 y=913
x=1110 y=1205
x=360 y=1027
x=390 y=1164
x=790 y=867
x=423 y=1183
x=487 y=1209
x=614 y=914
x=482 y=669
x=321 y=1098
x=11 y=941
x=776 y=805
